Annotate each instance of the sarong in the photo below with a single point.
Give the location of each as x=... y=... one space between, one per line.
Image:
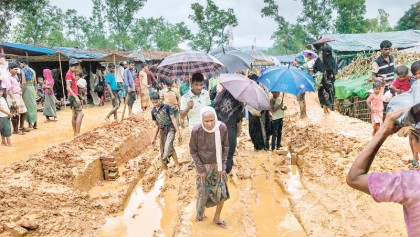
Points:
x=5 y=128
x=167 y=137
x=377 y=117
x=49 y=106
x=29 y=97
x=213 y=191
x=19 y=103
x=145 y=98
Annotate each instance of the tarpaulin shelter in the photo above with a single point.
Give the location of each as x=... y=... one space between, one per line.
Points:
x=370 y=41
x=286 y=58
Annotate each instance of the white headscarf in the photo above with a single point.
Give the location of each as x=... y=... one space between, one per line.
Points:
x=216 y=132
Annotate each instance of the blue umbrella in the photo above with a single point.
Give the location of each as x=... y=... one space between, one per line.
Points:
x=285 y=79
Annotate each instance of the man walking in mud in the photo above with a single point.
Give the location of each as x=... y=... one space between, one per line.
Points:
x=129 y=78
x=167 y=127
x=192 y=102
x=113 y=91
x=72 y=93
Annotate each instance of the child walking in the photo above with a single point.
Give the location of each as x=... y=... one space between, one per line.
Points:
x=415 y=70
x=5 y=116
x=277 y=110
x=167 y=127
x=376 y=106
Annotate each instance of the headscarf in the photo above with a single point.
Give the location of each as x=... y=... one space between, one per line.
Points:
x=50 y=80
x=328 y=59
x=216 y=132
x=48 y=76
x=226 y=105
x=300 y=58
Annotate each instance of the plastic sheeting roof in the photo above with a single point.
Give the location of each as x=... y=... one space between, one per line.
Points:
x=22 y=49
x=79 y=53
x=286 y=58
x=371 y=41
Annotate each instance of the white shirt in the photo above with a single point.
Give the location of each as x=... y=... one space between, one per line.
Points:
x=201 y=101
x=119 y=74
x=81 y=83
x=4 y=106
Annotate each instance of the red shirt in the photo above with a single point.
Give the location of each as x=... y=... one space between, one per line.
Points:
x=402 y=85
x=71 y=78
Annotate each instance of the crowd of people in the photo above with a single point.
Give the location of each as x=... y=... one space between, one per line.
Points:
x=213 y=117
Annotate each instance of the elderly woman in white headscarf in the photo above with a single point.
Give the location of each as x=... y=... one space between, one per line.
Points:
x=209 y=146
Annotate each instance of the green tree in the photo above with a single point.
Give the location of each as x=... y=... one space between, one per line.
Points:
x=8 y=10
x=350 y=16
x=143 y=32
x=288 y=38
x=379 y=24
x=35 y=26
x=157 y=33
x=168 y=36
x=95 y=28
x=212 y=22
x=315 y=17
x=120 y=16
x=411 y=19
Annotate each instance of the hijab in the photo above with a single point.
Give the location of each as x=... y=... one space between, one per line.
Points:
x=216 y=132
x=48 y=76
x=328 y=59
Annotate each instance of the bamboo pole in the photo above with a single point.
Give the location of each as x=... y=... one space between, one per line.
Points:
x=62 y=81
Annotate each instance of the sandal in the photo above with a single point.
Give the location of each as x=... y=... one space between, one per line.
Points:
x=222 y=224
x=415 y=164
x=47 y=121
x=26 y=129
x=20 y=132
x=55 y=120
x=191 y=166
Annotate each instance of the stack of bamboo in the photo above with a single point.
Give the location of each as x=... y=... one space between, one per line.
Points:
x=362 y=64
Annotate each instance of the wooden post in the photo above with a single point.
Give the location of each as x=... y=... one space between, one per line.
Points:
x=62 y=81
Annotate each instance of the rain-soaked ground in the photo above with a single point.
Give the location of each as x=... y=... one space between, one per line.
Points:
x=268 y=196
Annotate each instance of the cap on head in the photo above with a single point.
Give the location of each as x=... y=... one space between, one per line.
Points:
x=73 y=62
x=111 y=65
x=386 y=44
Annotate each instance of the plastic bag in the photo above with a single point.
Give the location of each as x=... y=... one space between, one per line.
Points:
x=408 y=99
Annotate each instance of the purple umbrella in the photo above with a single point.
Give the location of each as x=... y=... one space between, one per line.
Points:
x=246 y=91
x=307 y=52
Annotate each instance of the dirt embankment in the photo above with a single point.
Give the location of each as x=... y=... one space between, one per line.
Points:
x=49 y=190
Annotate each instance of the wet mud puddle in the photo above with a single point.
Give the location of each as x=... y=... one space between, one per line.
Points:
x=141 y=217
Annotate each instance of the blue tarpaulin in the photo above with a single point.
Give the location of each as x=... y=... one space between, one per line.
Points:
x=22 y=49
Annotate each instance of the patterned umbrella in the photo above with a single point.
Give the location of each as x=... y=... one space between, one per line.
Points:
x=188 y=63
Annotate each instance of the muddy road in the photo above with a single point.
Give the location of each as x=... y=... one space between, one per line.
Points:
x=60 y=191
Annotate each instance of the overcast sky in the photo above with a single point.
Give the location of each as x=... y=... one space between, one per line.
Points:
x=251 y=24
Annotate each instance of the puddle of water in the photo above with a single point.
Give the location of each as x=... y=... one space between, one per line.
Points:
x=143 y=214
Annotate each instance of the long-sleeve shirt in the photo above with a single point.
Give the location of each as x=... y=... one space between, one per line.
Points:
x=129 y=77
x=203 y=147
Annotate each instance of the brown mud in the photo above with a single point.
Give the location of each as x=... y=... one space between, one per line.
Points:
x=61 y=190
